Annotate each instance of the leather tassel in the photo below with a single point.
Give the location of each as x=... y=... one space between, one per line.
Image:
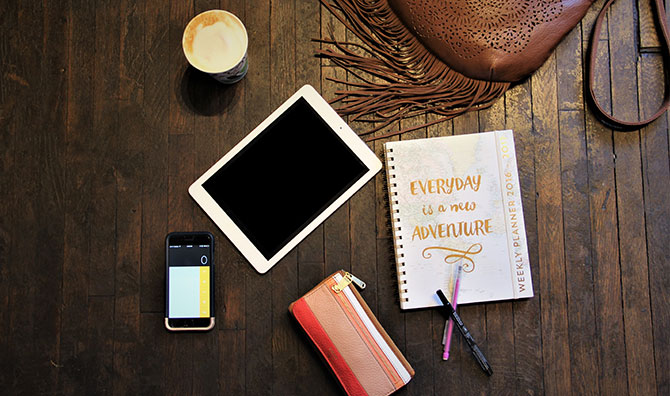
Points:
x=397 y=77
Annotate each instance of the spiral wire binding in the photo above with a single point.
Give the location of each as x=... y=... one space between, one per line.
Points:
x=395 y=226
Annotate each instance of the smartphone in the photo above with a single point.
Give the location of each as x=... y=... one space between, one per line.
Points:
x=189 y=281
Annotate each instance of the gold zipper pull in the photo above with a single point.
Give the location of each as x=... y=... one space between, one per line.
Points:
x=346 y=280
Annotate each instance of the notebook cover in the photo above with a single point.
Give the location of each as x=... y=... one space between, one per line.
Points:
x=456 y=200
x=363 y=362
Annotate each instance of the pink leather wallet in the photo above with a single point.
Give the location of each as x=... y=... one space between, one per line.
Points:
x=358 y=350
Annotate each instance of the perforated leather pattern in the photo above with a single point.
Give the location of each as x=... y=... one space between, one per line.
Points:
x=470 y=26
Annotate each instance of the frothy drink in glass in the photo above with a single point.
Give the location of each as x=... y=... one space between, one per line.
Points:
x=215 y=42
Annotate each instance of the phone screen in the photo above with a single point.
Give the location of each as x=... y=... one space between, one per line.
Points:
x=189 y=279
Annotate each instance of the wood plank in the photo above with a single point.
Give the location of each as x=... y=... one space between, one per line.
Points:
x=579 y=271
x=23 y=217
x=154 y=188
x=633 y=246
x=127 y=295
x=180 y=114
x=206 y=365
x=104 y=146
x=579 y=268
x=604 y=233
x=181 y=166
x=569 y=67
x=153 y=354
x=527 y=313
x=589 y=20
x=648 y=36
x=129 y=165
x=78 y=199
x=10 y=86
x=35 y=196
x=181 y=172
x=99 y=358
x=231 y=375
x=555 y=342
x=636 y=323
x=258 y=292
x=51 y=129
x=655 y=168
x=627 y=330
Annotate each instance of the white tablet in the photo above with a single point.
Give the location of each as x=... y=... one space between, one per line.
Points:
x=285 y=178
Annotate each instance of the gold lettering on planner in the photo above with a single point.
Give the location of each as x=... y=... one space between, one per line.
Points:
x=454 y=255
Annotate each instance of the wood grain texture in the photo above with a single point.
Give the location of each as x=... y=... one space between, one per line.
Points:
x=126 y=321
x=527 y=314
x=648 y=35
x=575 y=179
x=154 y=188
x=105 y=143
x=104 y=125
x=550 y=230
x=604 y=233
x=8 y=89
x=635 y=326
x=655 y=168
x=78 y=199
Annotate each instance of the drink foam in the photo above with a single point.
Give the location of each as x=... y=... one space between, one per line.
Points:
x=215 y=41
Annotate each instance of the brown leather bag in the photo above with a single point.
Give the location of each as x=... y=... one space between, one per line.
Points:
x=491 y=40
x=447 y=56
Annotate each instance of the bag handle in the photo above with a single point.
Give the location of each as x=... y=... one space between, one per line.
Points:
x=607 y=119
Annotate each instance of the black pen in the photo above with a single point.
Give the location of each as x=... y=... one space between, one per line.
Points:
x=450 y=312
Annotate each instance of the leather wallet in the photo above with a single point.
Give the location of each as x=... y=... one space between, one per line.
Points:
x=353 y=343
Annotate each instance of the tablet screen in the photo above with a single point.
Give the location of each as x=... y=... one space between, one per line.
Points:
x=284 y=178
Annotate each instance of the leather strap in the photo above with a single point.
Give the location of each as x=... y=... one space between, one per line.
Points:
x=607 y=119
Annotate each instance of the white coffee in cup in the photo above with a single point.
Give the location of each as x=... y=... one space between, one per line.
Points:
x=215 y=42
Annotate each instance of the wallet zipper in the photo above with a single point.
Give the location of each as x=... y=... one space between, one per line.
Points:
x=351 y=295
x=347 y=279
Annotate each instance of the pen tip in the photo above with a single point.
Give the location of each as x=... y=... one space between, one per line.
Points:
x=445 y=356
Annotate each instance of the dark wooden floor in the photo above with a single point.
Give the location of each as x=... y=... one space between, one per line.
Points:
x=103 y=127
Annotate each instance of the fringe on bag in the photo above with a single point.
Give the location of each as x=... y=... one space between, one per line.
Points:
x=410 y=80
